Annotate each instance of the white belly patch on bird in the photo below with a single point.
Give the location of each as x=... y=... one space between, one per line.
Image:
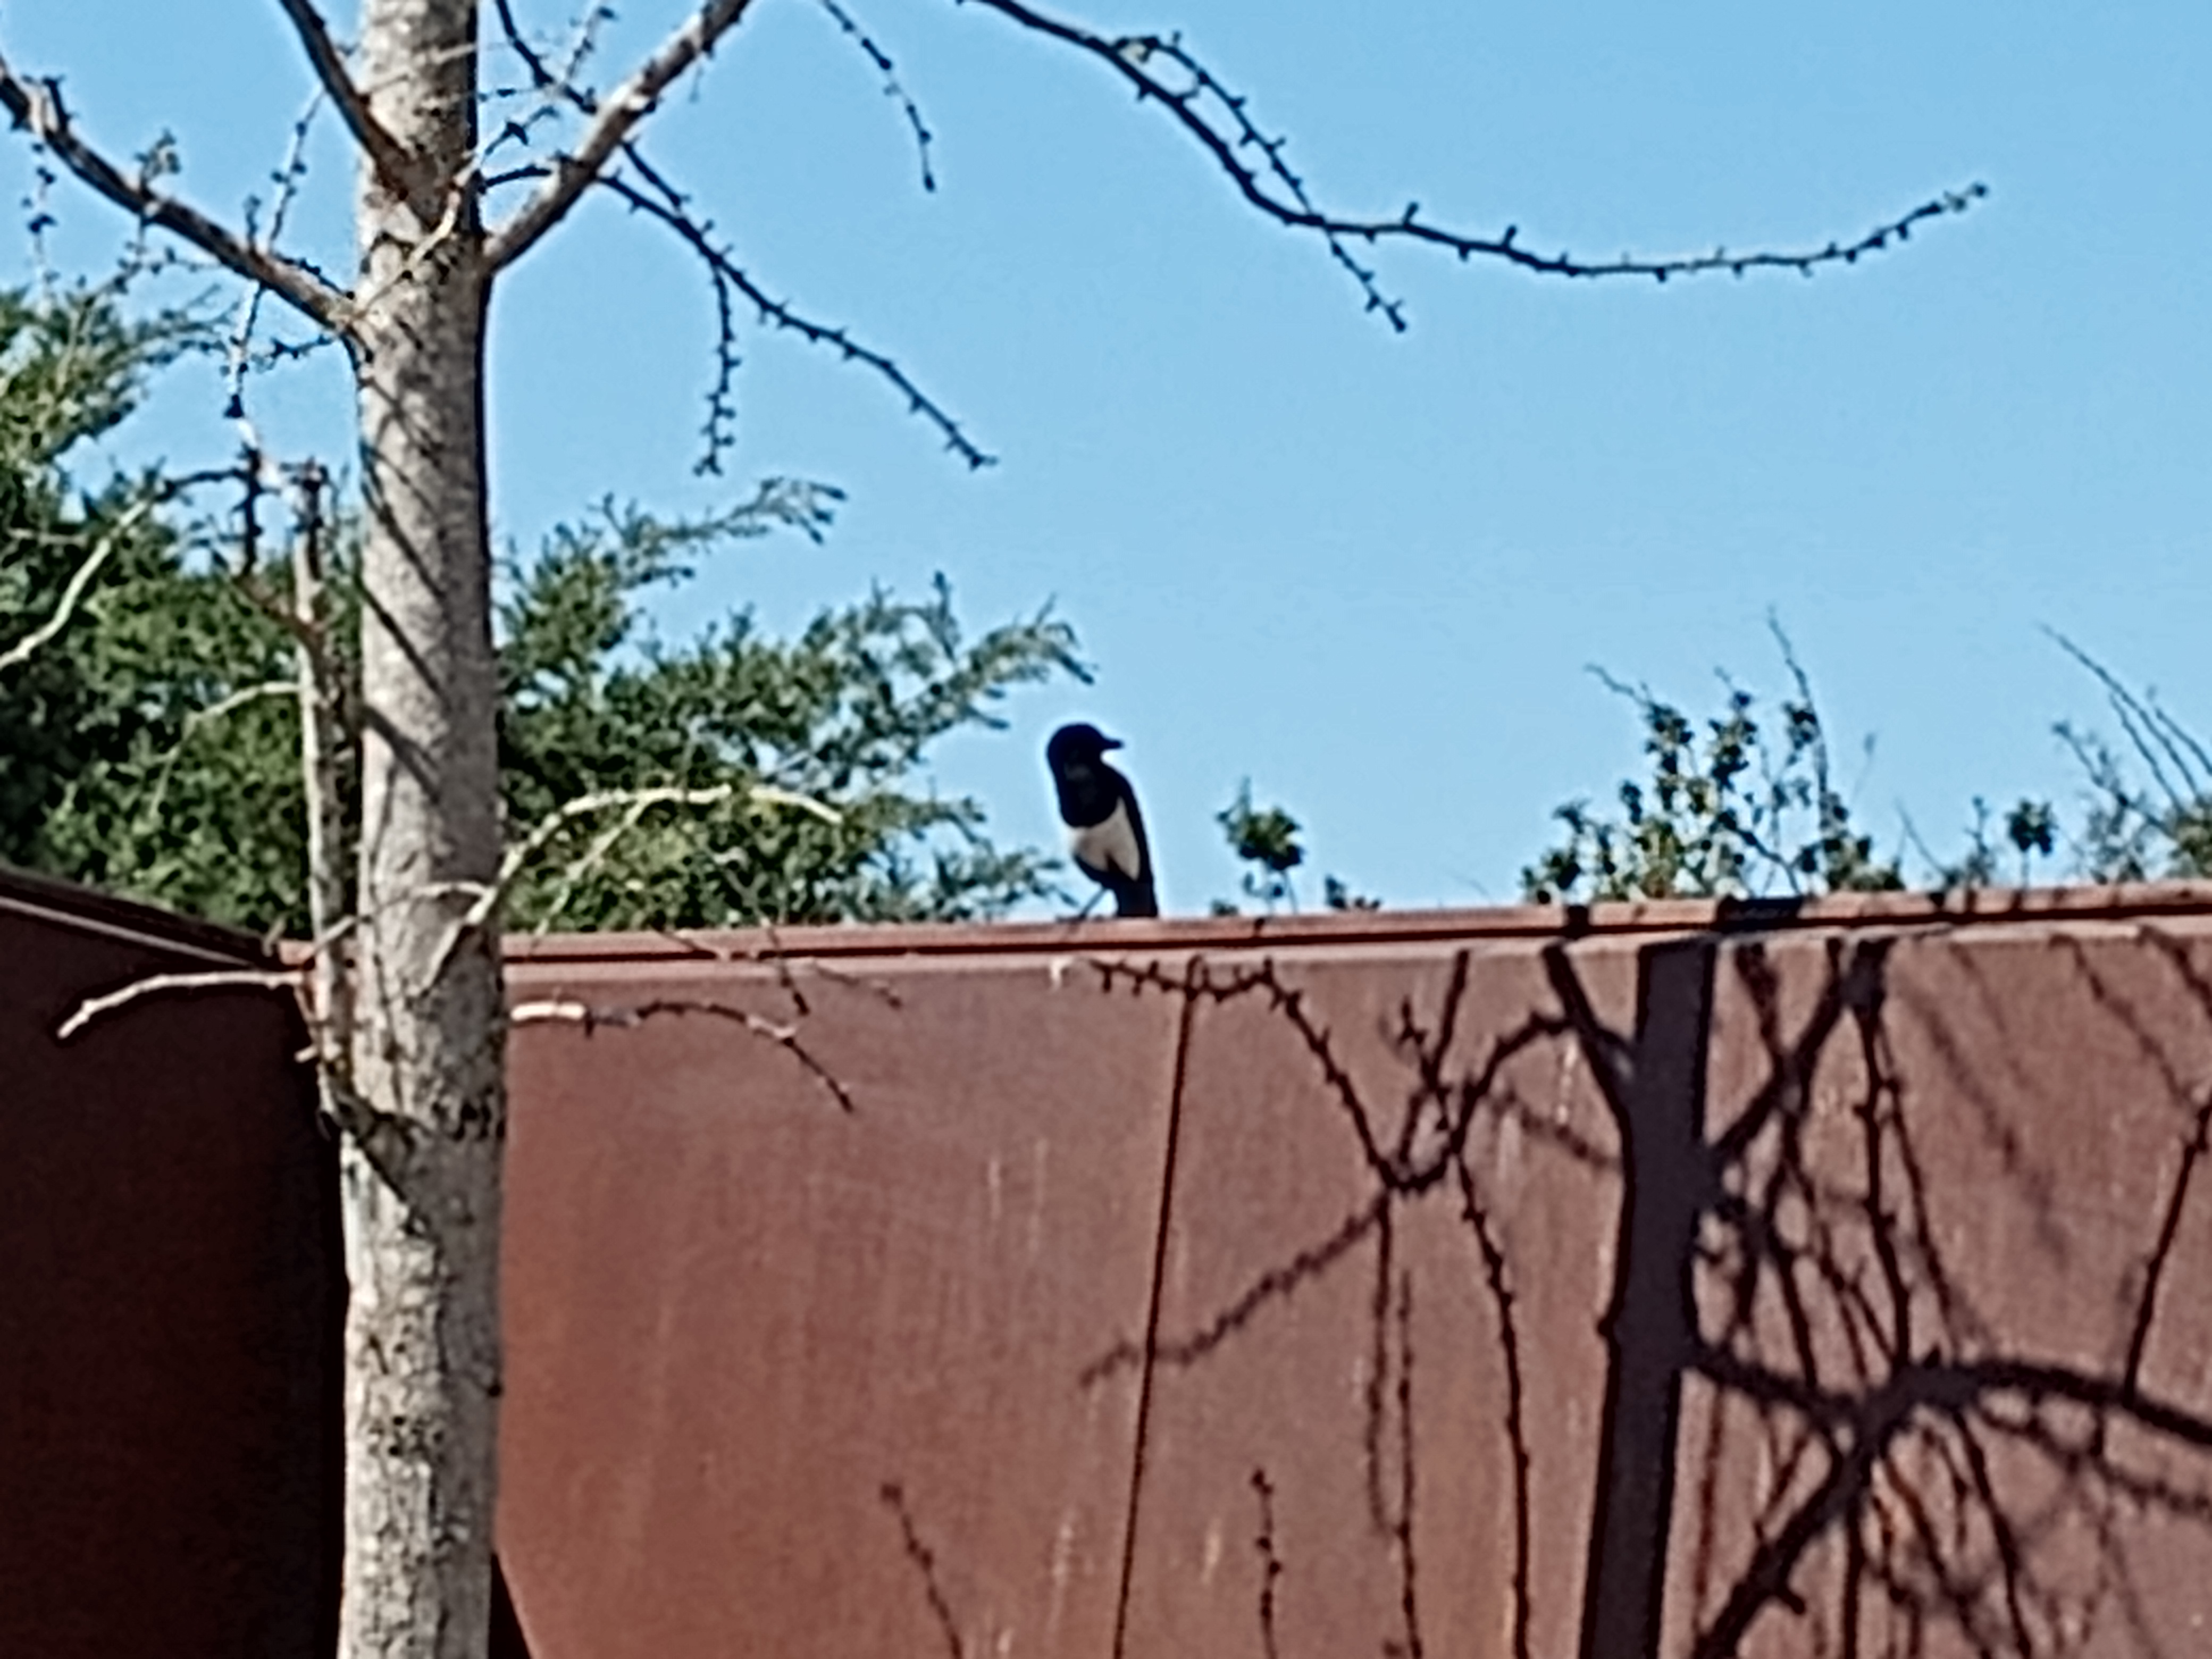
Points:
x=1111 y=845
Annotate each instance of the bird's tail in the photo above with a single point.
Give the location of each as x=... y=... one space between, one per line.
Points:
x=1134 y=895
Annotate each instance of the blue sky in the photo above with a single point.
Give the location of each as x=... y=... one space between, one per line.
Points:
x=1369 y=570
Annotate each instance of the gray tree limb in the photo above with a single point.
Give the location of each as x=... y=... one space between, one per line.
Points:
x=571 y=173
x=393 y=164
x=37 y=105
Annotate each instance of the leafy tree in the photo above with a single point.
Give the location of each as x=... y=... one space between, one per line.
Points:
x=151 y=746
x=841 y=716
x=1729 y=811
x=1725 y=811
x=1266 y=839
x=111 y=658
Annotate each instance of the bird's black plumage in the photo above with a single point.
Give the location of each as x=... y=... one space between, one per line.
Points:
x=1105 y=830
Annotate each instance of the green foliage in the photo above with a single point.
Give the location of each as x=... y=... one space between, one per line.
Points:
x=150 y=745
x=1267 y=838
x=2031 y=828
x=1730 y=810
x=2133 y=831
x=111 y=770
x=841 y=715
x=1337 y=895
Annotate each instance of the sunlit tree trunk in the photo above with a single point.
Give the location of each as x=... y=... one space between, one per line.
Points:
x=423 y=1356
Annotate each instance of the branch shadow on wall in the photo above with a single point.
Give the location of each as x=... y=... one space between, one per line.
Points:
x=1875 y=1466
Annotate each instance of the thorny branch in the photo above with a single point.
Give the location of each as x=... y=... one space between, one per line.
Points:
x=893 y=88
x=671 y=209
x=591 y=1016
x=37 y=105
x=401 y=173
x=569 y=175
x=1216 y=118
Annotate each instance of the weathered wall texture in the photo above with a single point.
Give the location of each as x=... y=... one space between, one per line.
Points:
x=1452 y=1284
x=1667 y=1281
x=169 y=1293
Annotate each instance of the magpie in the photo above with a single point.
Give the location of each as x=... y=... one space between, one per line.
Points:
x=1105 y=830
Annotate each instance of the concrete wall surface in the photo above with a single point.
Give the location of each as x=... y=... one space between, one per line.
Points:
x=1680 y=1279
x=170 y=1294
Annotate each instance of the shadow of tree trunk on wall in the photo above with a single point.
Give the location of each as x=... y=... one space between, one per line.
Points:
x=1875 y=1463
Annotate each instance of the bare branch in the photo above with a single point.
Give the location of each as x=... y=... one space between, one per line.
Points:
x=323 y=740
x=287 y=179
x=37 y=105
x=632 y=803
x=80 y=580
x=1216 y=118
x=92 y=1008
x=88 y=571
x=669 y=207
x=573 y=172
x=394 y=165
x=591 y=1016
x=893 y=88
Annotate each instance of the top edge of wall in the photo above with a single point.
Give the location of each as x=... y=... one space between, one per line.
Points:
x=1977 y=907
x=89 y=911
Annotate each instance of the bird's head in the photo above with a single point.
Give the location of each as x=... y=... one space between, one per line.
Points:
x=1078 y=745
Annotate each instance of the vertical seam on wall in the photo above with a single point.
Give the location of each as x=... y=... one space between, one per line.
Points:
x=1150 y=1356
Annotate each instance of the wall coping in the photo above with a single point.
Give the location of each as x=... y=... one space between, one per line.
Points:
x=1976 y=906
x=89 y=910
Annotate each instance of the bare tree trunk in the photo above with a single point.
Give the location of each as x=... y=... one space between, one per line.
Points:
x=422 y=1188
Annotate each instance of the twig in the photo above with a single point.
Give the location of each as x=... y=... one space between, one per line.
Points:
x=892 y=87
x=591 y=1016
x=636 y=802
x=89 y=569
x=287 y=179
x=92 y=1008
x=570 y=174
x=399 y=171
x=1216 y=118
x=728 y=275
x=38 y=105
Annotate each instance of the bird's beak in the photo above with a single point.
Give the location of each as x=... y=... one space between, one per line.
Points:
x=1105 y=742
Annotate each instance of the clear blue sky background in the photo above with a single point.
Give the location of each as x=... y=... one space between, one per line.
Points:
x=1368 y=570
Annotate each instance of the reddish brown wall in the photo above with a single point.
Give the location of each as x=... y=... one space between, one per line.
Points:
x=1361 y=1284
x=799 y=1374
x=169 y=1288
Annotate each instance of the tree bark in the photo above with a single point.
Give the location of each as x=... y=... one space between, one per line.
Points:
x=422 y=1190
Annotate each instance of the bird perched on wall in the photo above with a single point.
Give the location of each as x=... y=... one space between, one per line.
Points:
x=1105 y=830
